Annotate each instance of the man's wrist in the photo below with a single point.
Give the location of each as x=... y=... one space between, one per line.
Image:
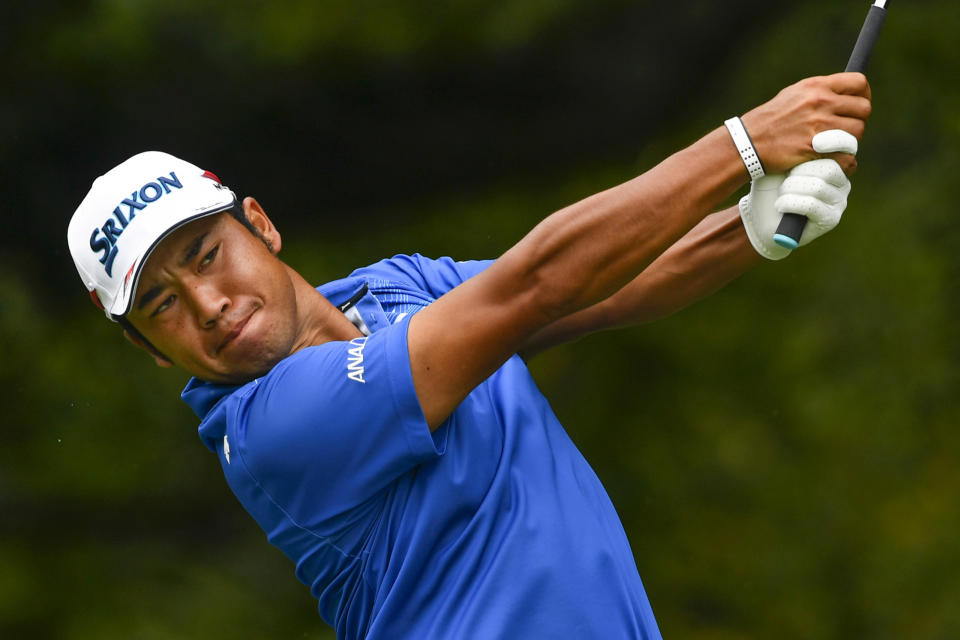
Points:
x=741 y=139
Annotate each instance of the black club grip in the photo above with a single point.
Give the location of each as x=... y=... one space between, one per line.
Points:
x=869 y=33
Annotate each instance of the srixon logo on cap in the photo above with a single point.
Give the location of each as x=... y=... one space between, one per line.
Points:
x=115 y=224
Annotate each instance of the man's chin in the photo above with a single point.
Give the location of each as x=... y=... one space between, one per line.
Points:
x=230 y=375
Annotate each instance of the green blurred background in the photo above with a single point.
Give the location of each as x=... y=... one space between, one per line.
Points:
x=783 y=455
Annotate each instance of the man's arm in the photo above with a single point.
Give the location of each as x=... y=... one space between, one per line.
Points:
x=710 y=256
x=586 y=252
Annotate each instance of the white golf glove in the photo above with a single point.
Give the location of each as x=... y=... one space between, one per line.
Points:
x=817 y=189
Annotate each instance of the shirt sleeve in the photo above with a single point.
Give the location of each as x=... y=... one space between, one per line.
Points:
x=332 y=425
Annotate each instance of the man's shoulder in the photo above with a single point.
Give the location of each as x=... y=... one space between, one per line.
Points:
x=433 y=276
x=412 y=270
x=402 y=284
x=398 y=272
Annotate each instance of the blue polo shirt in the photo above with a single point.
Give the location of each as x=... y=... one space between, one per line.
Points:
x=494 y=526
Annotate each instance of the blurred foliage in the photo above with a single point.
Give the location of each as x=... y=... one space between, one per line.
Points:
x=783 y=454
x=291 y=30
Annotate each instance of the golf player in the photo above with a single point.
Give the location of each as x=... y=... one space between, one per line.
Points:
x=383 y=429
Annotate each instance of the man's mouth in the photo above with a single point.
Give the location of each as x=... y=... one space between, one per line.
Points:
x=236 y=331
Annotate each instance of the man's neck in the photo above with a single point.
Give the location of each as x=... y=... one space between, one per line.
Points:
x=320 y=321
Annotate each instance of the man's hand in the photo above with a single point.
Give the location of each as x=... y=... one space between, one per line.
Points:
x=783 y=128
x=817 y=189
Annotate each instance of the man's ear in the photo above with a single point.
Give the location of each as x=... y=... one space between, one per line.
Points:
x=262 y=223
x=158 y=358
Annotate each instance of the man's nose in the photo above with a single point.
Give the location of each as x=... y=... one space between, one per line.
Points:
x=210 y=303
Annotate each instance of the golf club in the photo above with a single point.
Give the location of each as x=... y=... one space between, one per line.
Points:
x=792 y=225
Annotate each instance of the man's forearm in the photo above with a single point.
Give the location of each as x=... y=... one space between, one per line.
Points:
x=589 y=250
x=711 y=255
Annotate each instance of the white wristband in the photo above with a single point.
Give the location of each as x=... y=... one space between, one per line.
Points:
x=745 y=146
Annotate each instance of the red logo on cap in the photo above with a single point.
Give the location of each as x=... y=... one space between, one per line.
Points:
x=212 y=176
x=96 y=300
x=126 y=278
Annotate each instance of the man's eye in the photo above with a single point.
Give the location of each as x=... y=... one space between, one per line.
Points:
x=163 y=305
x=207 y=259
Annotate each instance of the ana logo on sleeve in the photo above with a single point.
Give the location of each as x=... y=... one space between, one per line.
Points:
x=355 y=359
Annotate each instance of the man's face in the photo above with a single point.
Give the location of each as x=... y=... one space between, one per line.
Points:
x=216 y=301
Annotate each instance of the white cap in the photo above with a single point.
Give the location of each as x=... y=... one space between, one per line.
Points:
x=126 y=214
